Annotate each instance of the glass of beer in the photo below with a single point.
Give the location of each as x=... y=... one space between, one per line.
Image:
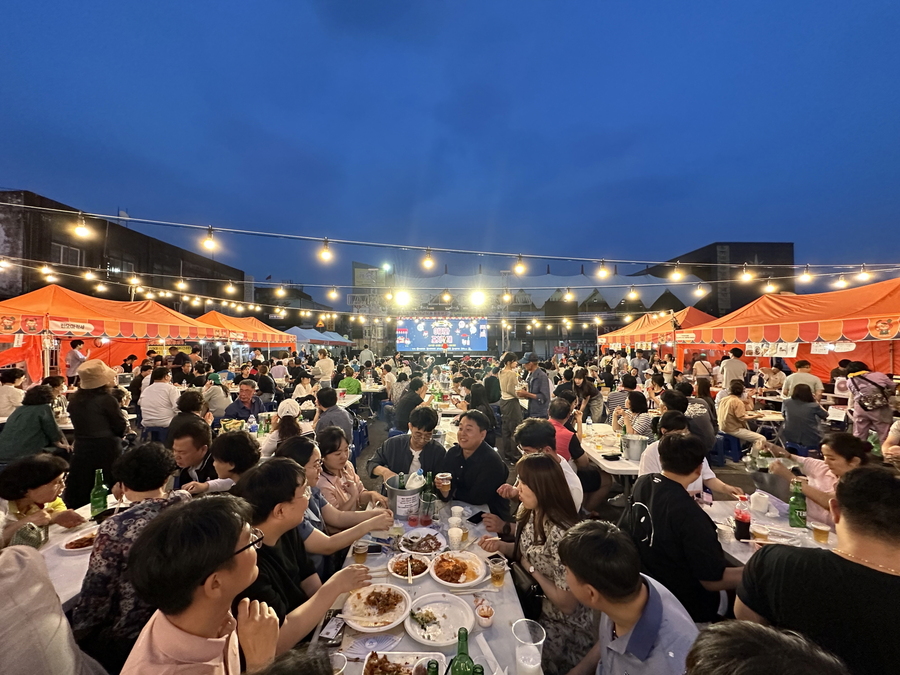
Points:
x=442 y=481
x=360 y=552
x=498 y=571
x=820 y=532
x=759 y=532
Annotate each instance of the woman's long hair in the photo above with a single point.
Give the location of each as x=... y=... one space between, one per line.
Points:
x=544 y=476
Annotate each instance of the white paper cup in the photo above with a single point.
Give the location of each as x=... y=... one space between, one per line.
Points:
x=454 y=522
x=454 y=534
x=457 y=511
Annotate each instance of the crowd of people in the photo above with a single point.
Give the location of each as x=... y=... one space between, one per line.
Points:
x=231 y=552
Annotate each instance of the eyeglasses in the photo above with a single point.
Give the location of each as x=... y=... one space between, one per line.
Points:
x=423 y=434
x=256 y=540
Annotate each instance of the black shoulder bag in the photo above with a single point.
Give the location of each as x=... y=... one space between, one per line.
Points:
x=531 y=595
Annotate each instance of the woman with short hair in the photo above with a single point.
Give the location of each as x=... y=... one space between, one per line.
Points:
x=31 y=428
x=635 y=418
x=339 y=482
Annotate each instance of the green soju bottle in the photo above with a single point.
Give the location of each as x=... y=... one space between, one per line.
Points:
x=462 y=663
x=797 y=516
x=98 y=494
x=401 y=481
x=433 y=668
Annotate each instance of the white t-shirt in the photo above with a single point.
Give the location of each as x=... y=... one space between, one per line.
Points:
x=416 y=462
x=574 y=483
x=650 y=464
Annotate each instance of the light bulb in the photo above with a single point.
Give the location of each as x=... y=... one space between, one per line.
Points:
x=528 y=326
x=280 y=291
x=89 y=275
x=568 y=296
x=598 y=320
x=537 y=324
x=655 y=316
x=333 y=293
x=627 y=318
x=134 y=281
x=389 y=295
x=403 y=298
x=602 y=272
x=548 y=326
x=224 y=303
x=519 y=267
x=507 y=297
x=82 y=231
x=428 y=261
x=240 y=308
x=181 y=285
x=185 y=298
x=632 y=294
x=233 y=305
x=584 y=325
x=806 y=277
x=150 y=295
x=446 y=297
x=50 y=279
x=325 y=252
x=139 y=289
x=230 y=288
x=362 y=319
x=676 y=274
x=699 y=291
x=841 y=282
x=863 y=274
x=769 y=287
x=209 y=243
x=746 y=274
x=4 y=263
x=46 y=270
x=478 y=298
x=100 y=288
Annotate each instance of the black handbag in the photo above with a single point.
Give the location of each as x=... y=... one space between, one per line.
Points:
x=531 y=595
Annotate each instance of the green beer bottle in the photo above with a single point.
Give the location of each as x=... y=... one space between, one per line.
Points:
x=478 y=670
x=797 y=516
x=433 y=668
x=429 y=483
x=98 y=494
x=462 y=663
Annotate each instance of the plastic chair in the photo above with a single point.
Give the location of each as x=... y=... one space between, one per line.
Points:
x=395 y=432
x=157 y=434
x=799 y=450
x=726 y=446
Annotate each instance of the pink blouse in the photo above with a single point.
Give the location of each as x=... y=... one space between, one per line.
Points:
x=821 y=478
x=337 y=489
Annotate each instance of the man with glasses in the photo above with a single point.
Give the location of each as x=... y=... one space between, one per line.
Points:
x=410 y=452
x=279 y=494
x=190 y=562
x=247 y=403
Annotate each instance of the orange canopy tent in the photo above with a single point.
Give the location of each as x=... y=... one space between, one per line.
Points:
x=864 y=322
x=248 y=329
x=661 y=329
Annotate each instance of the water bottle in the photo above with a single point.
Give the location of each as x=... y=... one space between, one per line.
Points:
x=590 y=427
x=252 y=426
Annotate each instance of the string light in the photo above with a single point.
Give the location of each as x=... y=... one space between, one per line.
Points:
x=806 y=277
x=134 y=281
x=325 y=252
x=139 y=289
x=280 y=292
x=185 y=298
x=769 y=287
x=446 y=297
x=628 y=318
x=389 y=295
x=655 y=316
x=230 y=288
x=841 y=282
x=89 y=275
x=602 y=272
x=4 y=263
x=528 y=326
x=333 y=293
x=598 y=320
x=507 y=298
x=403 y=298
x=150 y=295
x=478 y=298
x=746 y=274
x=537 y=324
x=50 y=279
x=568 y=296
x=362 y=319
x=632 y=294
x=699 y=291
x=209 y=243
x=428 y=261
x=519 y=267
x=240 y=308
x=100 y=288
x=181 y=285
x=676 y=273
x=584 y=325
x=45 y=270
x=82 y=230
x=863 y=274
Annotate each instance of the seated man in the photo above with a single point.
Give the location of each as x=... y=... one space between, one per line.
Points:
x=190 y=562
x=677 y=541
x=159 y=401
x=191 y=449
x=415 y=396
x=698 y=420
x=594 y=482
x=742 y=647
x=644 y=630
x=674 y=422
x=279 y=495
x=35 y=637
x=330 y=414
x=184 y=375
x=476 y=468
x=247 y=402
x=410 y=452
x=846 y=600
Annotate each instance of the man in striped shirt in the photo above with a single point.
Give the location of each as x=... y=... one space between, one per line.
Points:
x=617 y=398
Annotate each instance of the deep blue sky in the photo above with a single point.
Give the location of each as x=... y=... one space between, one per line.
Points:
x=607 y=129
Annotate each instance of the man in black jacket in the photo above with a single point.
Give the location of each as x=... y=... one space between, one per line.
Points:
x=190 y=445
x=476 y=468
x=410 y=452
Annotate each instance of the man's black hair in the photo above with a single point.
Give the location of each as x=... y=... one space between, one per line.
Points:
x=144 y=468
x=601 y=555
x=327 y=397
x=269 y=484
x=423 y=418
x=238 y=448
x=536 y=433
x=681 y=454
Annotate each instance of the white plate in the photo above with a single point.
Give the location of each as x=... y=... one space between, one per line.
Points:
x=421 y=532
x=472 y=559
x=453 y=613
x=77 y=535
x=347 y=610
x=412 y=659
x=416 y=556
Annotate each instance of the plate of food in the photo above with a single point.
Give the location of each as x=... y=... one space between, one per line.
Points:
x=435 y=619
x=376 y=608
x=459 y=569
x=80 y=542
x=423 y=540
x=404 y=563
x=402 y=663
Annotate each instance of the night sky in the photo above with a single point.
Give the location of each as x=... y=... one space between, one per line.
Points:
x=607 y=129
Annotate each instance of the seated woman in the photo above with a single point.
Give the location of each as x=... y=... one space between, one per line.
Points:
x=305 y=391
x=109 y=616
x=233 y=453
x=31 y=428
x=216 y=396
x=32 y=487
x=732 y=414
x=58 y=386
x=346 y=526
x=287 y=425
x=635 y=418
x=339 y=483
x=350 y=382
x=842 y=452
x=547 y=512
x=190 y=408
x=400 y=387
x=801 y=418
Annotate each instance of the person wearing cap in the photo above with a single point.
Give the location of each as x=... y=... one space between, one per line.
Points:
x=98 y=429
x=305 y=390
x=287 y=425
x=538 y=393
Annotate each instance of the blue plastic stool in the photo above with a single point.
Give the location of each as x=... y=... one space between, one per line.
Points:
x=395 y=432
x=381 y=412
x=798 y=450
x=157 y=434
x=726 y=446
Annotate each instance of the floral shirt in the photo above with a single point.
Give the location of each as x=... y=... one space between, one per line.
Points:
x=108 y=600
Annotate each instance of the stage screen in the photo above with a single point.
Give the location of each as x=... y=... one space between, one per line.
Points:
x=459 y=334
